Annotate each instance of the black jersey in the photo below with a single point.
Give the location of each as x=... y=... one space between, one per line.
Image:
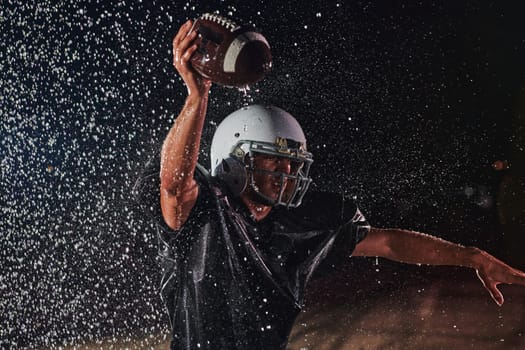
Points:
x=230 y=282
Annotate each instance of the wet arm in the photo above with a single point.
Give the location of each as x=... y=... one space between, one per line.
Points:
x=415 y=248
x=418 y=248
x=179 y=154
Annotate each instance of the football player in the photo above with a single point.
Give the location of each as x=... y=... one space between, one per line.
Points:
x=240 y=242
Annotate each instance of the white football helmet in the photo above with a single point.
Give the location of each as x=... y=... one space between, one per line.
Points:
x=261 y=129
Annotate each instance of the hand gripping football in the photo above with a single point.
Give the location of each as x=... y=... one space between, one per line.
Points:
x=229 y=54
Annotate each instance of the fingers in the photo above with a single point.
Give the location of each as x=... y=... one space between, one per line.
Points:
x=180 y=49
x=185 y=43
x=496 y=294
x=517 y=277
x=184 y=46
x=491 y=287
x=183 y=52
x=504 y=273
x=189 y=51
x=183 y=32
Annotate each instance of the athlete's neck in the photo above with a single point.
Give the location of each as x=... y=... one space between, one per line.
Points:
x=259 y=211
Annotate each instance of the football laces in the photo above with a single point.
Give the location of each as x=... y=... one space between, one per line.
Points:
x=223 y=21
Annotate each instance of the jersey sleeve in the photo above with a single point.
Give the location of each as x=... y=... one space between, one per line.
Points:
x=353 y=230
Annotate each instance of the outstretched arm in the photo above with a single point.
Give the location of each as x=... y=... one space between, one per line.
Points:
x=418 y=248
x=178 y=190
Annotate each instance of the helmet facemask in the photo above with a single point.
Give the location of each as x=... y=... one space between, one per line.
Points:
x=291 y=186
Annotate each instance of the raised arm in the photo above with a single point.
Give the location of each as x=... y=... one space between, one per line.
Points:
x=418 y=248
x=178 y=189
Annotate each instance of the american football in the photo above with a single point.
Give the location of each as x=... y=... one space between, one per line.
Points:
x=229 y=54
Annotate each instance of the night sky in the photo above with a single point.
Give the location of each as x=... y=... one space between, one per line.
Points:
x=405 y=106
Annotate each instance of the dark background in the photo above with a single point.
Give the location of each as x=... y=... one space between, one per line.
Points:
x=406 y=105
